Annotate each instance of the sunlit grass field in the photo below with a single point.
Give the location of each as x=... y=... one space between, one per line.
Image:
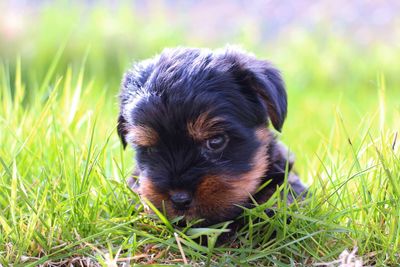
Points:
x=63 y=195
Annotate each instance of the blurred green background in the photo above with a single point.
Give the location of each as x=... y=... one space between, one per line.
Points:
x=62 y=168
x=335 y=56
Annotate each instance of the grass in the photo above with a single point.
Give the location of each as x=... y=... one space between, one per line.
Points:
x=63 y=195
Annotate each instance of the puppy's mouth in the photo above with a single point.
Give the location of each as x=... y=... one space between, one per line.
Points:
x=188 y=212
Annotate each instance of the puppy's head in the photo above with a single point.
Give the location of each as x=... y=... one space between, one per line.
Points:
x=197 y=120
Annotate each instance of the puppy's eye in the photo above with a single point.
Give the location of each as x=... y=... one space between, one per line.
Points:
x=217 y=143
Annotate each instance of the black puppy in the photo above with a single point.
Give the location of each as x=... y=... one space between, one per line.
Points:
x=197 y=120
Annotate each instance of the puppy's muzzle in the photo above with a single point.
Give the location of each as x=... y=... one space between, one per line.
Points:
x=181 y=200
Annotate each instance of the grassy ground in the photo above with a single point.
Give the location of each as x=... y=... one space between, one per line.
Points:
x=63 y=195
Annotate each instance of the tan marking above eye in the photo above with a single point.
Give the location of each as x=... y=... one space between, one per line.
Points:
x=142 y=135
x=204 y=127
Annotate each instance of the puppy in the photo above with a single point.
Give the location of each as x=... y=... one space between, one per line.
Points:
x=198 y=121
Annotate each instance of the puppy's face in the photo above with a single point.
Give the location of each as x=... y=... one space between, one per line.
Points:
x=197 y=120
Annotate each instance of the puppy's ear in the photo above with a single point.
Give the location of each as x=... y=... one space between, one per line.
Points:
x=132 y=88
x=262 y=78
x=121 y=129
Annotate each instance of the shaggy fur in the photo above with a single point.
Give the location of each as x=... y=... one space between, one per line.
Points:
x=198 y=121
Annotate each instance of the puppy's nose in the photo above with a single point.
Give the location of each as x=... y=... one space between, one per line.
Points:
x=181 y=200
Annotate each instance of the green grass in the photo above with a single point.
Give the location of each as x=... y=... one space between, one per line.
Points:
x=63 y=194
